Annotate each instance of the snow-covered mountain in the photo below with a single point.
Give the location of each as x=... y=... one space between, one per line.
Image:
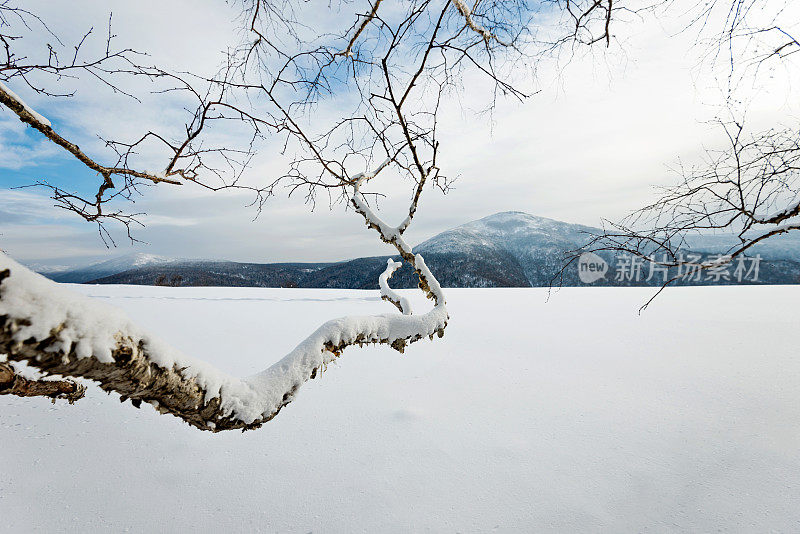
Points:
x=514 y=231
x=539 y=247
x=535 y=245
x=109 y=267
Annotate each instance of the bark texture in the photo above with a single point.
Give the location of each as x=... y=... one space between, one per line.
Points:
x=13 y=384
x=131 y=375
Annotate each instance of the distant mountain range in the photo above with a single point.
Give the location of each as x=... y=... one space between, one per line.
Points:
x=510 y=249
x=107 y=268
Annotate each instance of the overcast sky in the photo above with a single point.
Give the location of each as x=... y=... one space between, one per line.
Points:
x=591 y=144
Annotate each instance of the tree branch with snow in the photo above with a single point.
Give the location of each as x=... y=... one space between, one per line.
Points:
x=59 y=332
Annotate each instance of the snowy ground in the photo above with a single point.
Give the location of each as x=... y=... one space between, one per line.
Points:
x=572 y=415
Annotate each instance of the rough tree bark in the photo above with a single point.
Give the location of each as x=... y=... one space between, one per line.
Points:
x=12 y=383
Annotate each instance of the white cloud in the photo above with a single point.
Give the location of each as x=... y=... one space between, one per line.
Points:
x=166 y=220
x=24 y=206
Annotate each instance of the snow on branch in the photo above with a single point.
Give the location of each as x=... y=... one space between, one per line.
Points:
x=389 y=234
x=387 y=293
x=37 y=117
x=13 y=383
x=792 y=210
x=59 y=332
x=393 y=235
x=466 y=12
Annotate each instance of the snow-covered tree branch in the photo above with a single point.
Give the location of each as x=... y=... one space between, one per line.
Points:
x=61 y=333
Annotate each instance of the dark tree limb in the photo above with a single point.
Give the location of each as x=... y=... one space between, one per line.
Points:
x=13 y=384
